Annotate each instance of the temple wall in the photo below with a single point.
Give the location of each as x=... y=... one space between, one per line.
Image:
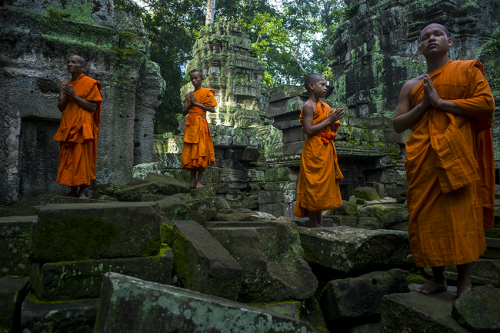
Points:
x=34 y=46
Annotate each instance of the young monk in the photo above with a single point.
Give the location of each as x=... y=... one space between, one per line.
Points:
x=449 y=161
x=198 y=148
x=318 y=188
x=80 y=103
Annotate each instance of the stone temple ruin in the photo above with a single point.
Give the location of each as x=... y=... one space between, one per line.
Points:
x=35 y=44
x=147 y=253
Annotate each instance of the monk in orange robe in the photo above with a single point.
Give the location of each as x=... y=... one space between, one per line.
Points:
x=80 y=103
x=318 y=188
x=198 y=148
x=449 y=161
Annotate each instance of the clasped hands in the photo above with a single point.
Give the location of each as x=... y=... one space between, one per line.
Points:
x=192 y=99
x=333 y=116
x=431 y=96
x=68 y=90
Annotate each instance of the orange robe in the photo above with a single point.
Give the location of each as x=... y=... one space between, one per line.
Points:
x=450 y=169
x=318 y=188
x=78 y=134
x=198 y=148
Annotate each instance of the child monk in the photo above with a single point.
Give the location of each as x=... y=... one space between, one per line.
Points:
x=198 y=148
x=318 y=188
x=80 y=103
x=449 y=161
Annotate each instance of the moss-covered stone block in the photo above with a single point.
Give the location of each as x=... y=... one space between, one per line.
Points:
x=288 y=308
x=207 y=191
x=271 y=257
x=386 y=215
x=202 y=264
x=15 y=244
x=366 y=193
x=203 y=209
x=137 y=192
x=175 y=208
x=83 y=279
x=483 y=318
x=13 y=290
x=70 y=232
x=169 y=185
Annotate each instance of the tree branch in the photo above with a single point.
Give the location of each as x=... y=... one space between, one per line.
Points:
x=296 y=55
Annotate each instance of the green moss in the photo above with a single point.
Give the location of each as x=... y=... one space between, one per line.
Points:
x=150 y=247
x=182 y=265
x=309 y=254
x=73 y=238
x=416 y=278
x=167 y=234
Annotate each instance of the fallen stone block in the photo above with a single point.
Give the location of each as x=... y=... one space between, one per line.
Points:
x=366 y=193
x=83 y=279
x=70 y=232
x=386 y=215
x=202 y=264
x=289 y=308
x=133 y=305
x=13 y=289
x=311 y=313
x=54 y=317
x=356 y=298
x=479 y=309
x=174 y=208
x=268 y=252
x=242 y=215
x=207 y=191
x=202 y=210
x=15 y=244
x=415 y=312
x=353 y=251
x=345 y=220
x=398 y=193
x=138 y=191
x=368 y=223
x=169 y=185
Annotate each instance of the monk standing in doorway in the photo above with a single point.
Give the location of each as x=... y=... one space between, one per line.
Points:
x=318 y=186
x=198 y=148
x=449 y=161
x=80 y=103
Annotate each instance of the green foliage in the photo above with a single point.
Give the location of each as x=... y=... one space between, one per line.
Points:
x=81 y=12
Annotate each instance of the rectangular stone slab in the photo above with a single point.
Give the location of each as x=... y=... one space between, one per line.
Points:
x=54 y=317
x=13 y=289
x=133 y=305
x=428 y=313
x=71 y=232
x=353 y=250
x=15 y=244
x=83 y=279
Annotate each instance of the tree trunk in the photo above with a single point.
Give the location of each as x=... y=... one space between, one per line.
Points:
x=296 y=55
x=210 y=12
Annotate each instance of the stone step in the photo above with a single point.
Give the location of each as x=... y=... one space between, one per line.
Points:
x=201 y=263
x=485 y=271
x=83 y=279
x=415 y=312
x=15 y=244
x=13 y=290
x=71 y=232
x=132 y=305
x=352 y=250
x=61 y=316
x=271 y=257
x=479 y=309
x=493 y=248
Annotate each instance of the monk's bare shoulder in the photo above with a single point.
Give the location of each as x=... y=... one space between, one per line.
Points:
x=308 y=108
x=409 y=85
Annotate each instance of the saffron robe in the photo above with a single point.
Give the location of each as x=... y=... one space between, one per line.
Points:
x=198 y=148
x=318 y=188
x=450 y=169
x=78 y=134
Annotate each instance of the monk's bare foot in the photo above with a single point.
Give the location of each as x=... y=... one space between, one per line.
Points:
x=198 y=185
x=192 y=184
x=463 y=289
x=321 y=224
x=432 y=287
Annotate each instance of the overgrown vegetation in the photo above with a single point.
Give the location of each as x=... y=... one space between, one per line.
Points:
x=75 y=11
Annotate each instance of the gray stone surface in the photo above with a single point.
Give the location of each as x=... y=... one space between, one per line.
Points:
x=493 y=248
x=29 y=154
x=414 y=312
x=69 y=232
x=479 y=309
x=15 y=244
x=366 y=328
x=83 y=279
x=169 y=185
x=129 y=304
x=13 y=289
x=202 y=264
x=353 y=250
x=290 y=308
x=268 y=252
x=360 y=297
x=386 y=214
x=175 y=208
x=54 y=317
x=484 y=271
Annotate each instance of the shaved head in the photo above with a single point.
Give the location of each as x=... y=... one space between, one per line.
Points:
x=447 y=33
x=196 y=71
x=312 y=78
x=80 y=59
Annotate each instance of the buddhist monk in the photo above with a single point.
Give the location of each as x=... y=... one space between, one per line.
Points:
x=318 y=188
x=80 y=103
x=449 y=161
x=198 y=148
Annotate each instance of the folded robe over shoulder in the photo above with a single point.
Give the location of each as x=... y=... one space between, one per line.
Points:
x=78 y=134
x=198 y=148
x=450 y=169
x=318 y=188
